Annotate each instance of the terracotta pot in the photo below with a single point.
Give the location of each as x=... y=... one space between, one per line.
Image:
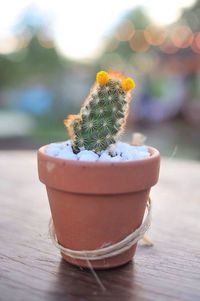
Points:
x=94 y=204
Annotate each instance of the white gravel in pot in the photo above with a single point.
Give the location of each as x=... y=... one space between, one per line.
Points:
x=119 y=151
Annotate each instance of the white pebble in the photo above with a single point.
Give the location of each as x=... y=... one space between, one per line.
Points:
x=143 y=154
x=116 y=158
x=105 y=157
x=127 y=155
x=90 y=157
x=66 y=145
x=86 y=155
x=121 y=146
x=52 y=150
x=65 y=154
x=85 y=152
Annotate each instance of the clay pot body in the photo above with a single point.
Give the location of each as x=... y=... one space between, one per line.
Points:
x=94 y=204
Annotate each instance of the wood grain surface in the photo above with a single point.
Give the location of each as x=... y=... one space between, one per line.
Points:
x=31 y=268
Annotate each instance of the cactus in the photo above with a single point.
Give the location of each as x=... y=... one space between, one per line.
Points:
x=103 y=115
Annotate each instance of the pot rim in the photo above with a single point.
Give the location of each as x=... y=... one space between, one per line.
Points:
x=98 y=177
x=154 y=153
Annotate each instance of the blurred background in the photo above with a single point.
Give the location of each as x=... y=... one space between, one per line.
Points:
x=51 y=50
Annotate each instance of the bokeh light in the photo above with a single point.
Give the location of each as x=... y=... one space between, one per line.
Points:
x=154 y=35
x=196 y=43
x=125 y=31
x=138 y=42
x=168 y=47
x=182 y=36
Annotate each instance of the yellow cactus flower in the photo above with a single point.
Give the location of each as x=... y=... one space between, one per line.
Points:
x=128 y=84
x=102 y=77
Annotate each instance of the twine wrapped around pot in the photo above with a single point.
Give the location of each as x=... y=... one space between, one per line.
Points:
x=109 y=251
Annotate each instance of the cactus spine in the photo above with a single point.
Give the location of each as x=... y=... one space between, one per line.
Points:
x=103 y=114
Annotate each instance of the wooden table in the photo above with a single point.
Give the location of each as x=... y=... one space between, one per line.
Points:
x=32 y=269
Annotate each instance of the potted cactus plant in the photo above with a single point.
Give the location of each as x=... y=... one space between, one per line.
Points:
x=98 y=187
